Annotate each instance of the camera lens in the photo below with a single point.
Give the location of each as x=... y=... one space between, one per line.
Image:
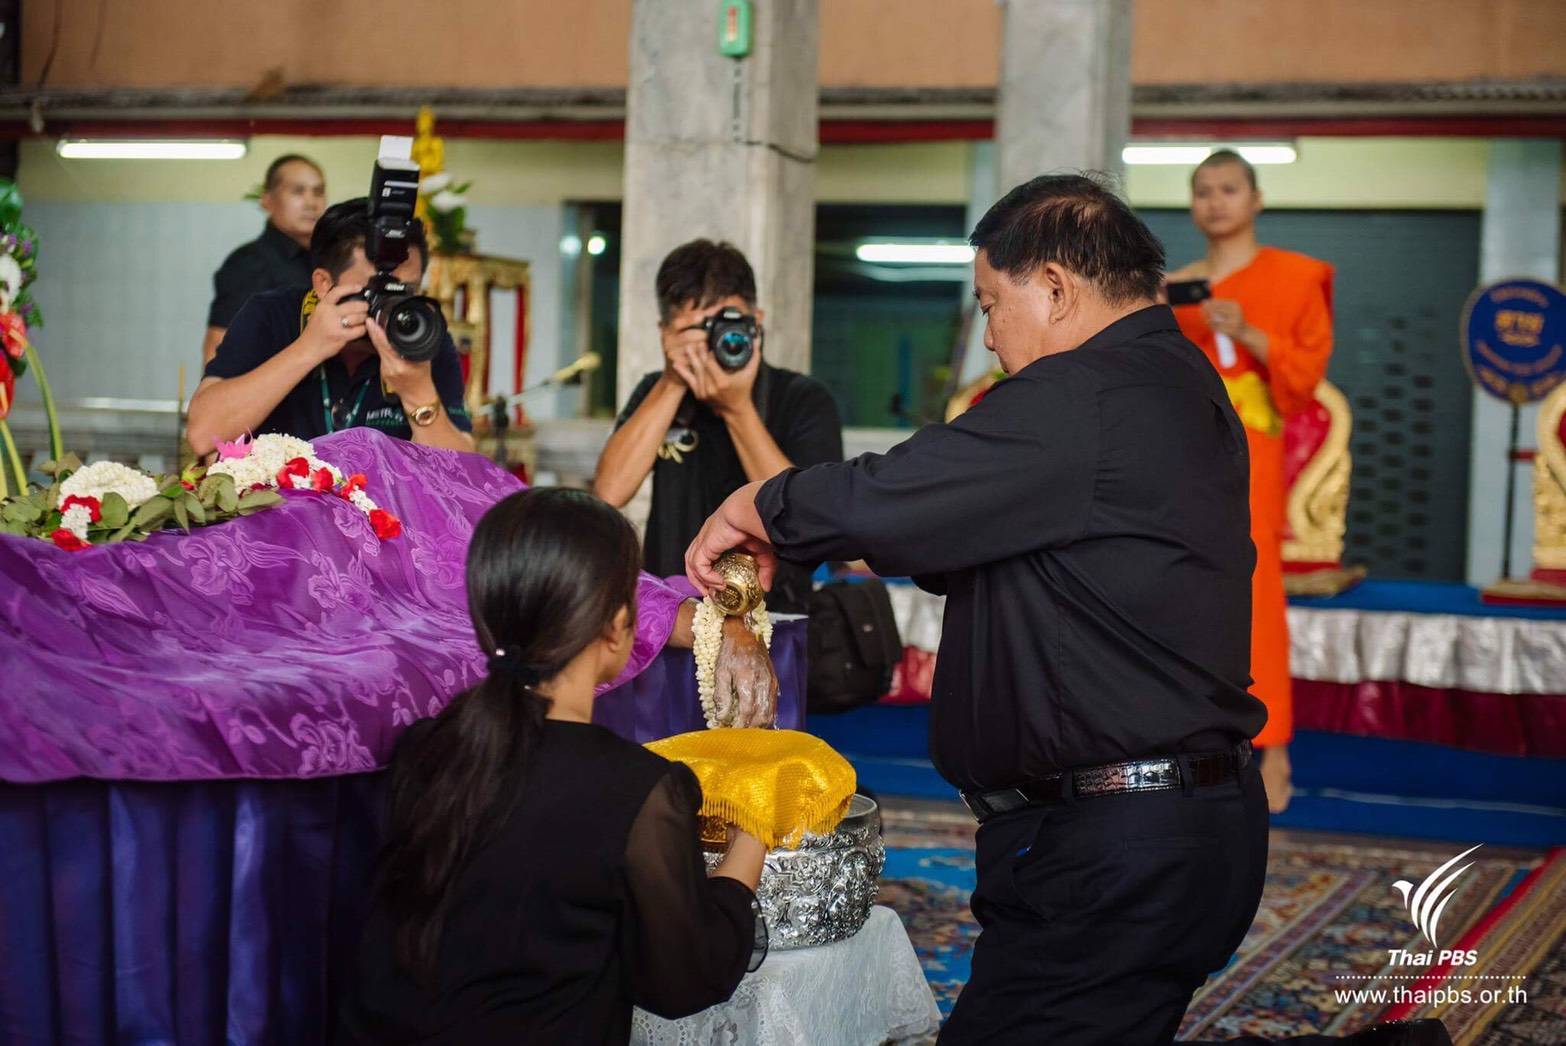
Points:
x=414 y=326
x=409 y=324
x=733 y=349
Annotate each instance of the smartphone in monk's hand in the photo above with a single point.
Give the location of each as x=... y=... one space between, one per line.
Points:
x=1188 y=292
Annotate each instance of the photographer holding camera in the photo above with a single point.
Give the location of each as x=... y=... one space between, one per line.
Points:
x=717 y=416
x=360 y=347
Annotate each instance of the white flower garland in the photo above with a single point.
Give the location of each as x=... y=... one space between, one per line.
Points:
x=268 y=455
x=108 y=477
x=707 y=629
x=76 y=519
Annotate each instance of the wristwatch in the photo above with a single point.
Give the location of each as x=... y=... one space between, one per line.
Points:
x=425 y=415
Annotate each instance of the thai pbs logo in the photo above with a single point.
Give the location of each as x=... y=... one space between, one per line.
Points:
x=1425 y=905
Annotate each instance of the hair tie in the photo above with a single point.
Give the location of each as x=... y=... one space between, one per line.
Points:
x=502 y=662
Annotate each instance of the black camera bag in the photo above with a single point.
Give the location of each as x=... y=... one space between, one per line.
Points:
x=853 y=646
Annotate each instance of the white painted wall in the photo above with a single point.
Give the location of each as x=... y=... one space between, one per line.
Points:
x=125 y=288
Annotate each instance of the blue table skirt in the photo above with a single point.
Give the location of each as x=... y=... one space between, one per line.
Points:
x=1423 y=597
x=225 y=911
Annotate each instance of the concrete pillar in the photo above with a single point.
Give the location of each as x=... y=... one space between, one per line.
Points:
x=1520 y=236
x=976 y=359
x=723 y=148
x=1065 y=90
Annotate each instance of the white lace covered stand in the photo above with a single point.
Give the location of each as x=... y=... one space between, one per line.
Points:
x=860 y=992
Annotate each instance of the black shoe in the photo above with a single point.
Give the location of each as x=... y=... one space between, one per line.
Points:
x=1428 y=1032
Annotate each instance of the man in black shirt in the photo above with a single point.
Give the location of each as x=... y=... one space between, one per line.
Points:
x=1088 y=523
x=293 y=196
x=307 y=362
x=703 y=431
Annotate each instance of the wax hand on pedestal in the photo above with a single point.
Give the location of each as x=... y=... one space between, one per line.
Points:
x=747 y=685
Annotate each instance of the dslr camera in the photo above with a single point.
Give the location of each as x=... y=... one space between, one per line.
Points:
x=733 y=337
x=414 y=323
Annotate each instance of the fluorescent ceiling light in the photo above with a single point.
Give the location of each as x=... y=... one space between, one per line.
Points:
x=910 y=252
x=1181 y=155
x=596 y=244
x=148 y=149
x=1187 y=154
x=1260 y=154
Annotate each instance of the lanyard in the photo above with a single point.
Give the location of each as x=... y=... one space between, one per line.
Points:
x=326 y=405
x=307 y=307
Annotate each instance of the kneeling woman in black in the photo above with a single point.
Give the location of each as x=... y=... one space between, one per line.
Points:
x=540 y=875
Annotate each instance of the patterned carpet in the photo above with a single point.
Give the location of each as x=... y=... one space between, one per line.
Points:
x=1328 y=918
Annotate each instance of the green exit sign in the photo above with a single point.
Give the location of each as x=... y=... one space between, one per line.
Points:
x=734 y=28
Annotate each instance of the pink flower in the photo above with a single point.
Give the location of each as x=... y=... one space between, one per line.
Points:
x=240 y=448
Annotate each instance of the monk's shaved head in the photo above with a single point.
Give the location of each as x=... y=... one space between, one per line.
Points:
x=1219 y=157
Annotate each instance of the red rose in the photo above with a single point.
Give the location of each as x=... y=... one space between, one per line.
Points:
x=68 y=541
x=92 y=505
x=13 y=332
x=296 y=467
x=352 y=484
x=321 y=481
x=7 y=386
x=387 y=526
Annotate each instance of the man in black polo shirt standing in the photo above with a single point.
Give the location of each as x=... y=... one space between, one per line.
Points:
x=703 y=431
x=307 y=362
x=293 y=196
x=1088 y=523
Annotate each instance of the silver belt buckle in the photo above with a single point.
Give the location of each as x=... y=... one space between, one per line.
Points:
x=977 y=816
x=1141 y=775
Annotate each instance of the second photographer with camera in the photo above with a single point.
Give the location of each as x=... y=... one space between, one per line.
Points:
x=308 y=363
x=717 y=416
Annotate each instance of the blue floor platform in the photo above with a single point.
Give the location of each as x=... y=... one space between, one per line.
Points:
x=1342 y=784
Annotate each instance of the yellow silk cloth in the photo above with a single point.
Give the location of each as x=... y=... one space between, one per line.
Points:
x=778 y=785
x=1253 y=403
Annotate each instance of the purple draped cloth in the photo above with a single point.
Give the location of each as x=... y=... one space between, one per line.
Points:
x=161 y=903
x=290 y=644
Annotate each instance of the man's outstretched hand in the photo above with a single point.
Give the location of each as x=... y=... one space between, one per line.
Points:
x=736 y=524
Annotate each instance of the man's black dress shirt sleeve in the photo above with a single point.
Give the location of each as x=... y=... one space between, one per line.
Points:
x=1088 y=521
x=996 y=482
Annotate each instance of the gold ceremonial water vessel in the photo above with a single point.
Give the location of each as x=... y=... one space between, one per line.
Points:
x=741 y=592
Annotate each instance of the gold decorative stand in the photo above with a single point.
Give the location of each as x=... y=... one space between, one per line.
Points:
x=1317 y=508
x=1546 y=583
x=462 y=284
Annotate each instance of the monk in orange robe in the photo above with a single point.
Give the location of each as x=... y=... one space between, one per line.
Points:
x=1268 y=330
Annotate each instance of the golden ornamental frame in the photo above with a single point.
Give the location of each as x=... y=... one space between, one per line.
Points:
x=1317 y=505
x=1549 y=486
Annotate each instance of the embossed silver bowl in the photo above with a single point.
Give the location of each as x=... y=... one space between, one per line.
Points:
x=821 y=891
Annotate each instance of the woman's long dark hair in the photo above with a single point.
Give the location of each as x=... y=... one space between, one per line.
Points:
x=548 y=569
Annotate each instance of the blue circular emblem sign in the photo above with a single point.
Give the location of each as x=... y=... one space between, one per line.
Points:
x=1514 y=339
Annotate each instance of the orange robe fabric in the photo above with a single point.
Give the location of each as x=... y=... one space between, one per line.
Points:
x=1288 y=296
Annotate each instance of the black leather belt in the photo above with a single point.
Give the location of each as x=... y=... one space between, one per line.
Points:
x=1161 y=774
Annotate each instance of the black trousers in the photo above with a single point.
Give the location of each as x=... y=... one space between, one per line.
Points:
x=1100 y=917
